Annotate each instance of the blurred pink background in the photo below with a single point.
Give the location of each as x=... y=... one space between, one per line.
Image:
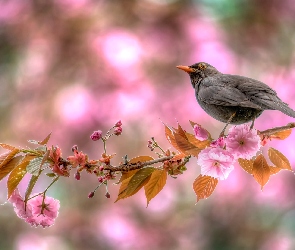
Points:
x=74 y=66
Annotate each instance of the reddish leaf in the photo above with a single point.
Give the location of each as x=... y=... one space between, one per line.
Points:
x=155 y=184
x=261 y=170
x=7 y=168
x=204 y=186
x=247 y=165
x=278 y=159
x=17 y=174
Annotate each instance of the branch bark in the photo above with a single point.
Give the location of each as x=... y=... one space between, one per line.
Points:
x=132 y=166
x=272 y=131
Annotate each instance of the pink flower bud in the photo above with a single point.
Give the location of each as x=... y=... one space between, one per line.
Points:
x=101 y=168
x=77 y=176
x=96 y=135
x=100 y=179
x=91 y=194
x=219 y=143
x=118 y=123
x=200 y=133
x=74 y=148
x=108 y=195
x=118 y=131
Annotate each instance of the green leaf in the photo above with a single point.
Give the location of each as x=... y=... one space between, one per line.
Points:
x=51 y=175
x=155 y=184
x=31 y=185
x=34 y=166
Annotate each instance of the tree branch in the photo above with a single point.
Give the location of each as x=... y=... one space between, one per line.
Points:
x=271 y=131
x=132 y=166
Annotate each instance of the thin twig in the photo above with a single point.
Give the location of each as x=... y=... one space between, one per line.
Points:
x=132 y=166
x=271 y=131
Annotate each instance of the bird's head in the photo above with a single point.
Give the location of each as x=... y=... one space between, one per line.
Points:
x=198 y=71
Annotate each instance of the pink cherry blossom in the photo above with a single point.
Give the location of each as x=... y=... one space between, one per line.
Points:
x=43 y=212
x=200 y=133
x=35 y=212
x=20 y=209
x=216 y=162
x=242 y=141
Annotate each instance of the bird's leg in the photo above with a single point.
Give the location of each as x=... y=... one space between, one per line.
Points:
x=252 y=124
x=228 y=122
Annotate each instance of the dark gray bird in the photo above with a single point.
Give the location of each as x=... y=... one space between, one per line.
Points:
x=232 y=99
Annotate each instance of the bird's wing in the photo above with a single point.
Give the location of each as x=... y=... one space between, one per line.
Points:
x=258 y=93
x=211 y=91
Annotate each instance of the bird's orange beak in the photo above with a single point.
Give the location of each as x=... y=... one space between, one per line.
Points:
x=187 y=69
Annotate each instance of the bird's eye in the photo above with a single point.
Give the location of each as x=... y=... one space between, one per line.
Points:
x=202 y=66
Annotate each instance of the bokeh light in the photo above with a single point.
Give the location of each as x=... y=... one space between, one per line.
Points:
x=72 y=67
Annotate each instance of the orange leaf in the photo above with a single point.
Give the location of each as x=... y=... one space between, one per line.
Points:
x=247 y=165
x=155 y=184
x=126 y=175
x=278 y=159
x=178 y=157
x=180 y=132
x=6 y=157
x=45 y=141
x=204 y=186
x=131 y=186
x=170 y=137
x=281 y=135
x=199 y=144
x=261 y=170
x=143 y=158
x=274 y=170
x=6 y=146
x=17 y=174
x=183 y=144
x=122 y=189
x=7 y=168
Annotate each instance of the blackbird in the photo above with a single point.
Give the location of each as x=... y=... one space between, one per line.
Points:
x=232 y=99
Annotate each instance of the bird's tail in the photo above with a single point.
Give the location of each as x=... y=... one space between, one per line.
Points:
x=283 y=107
